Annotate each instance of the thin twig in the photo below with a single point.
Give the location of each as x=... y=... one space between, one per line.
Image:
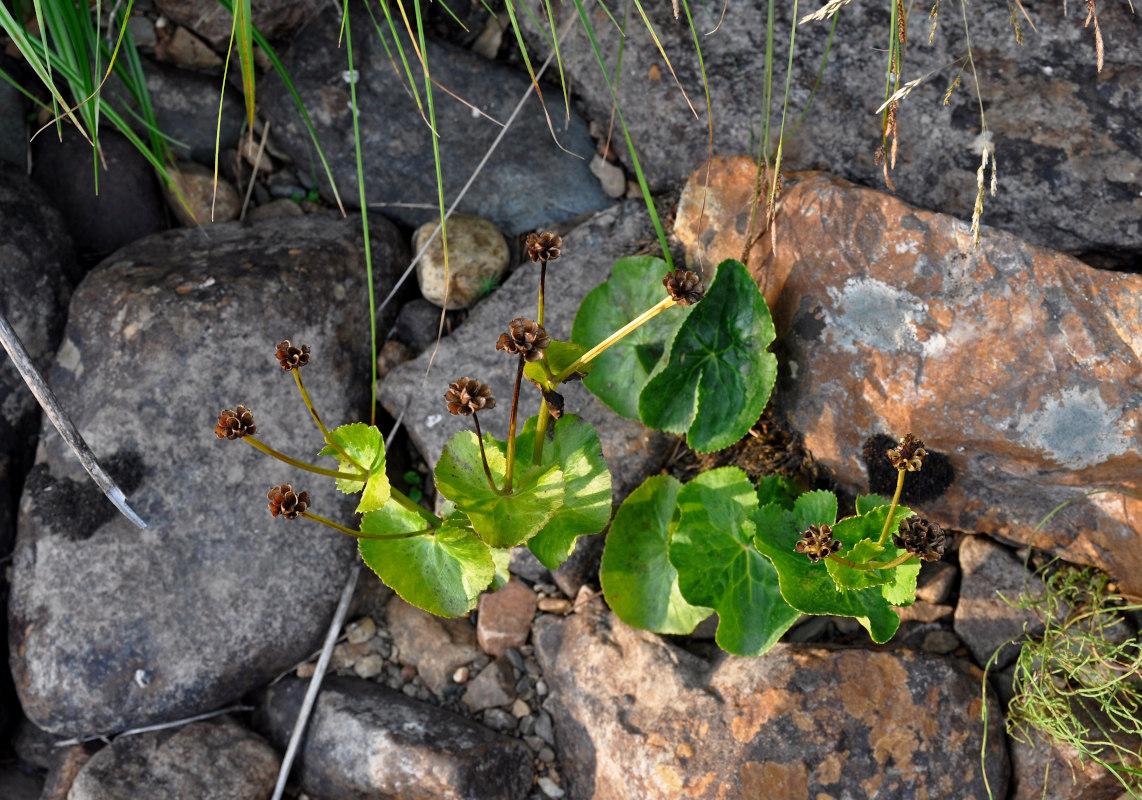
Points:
x=315 y=681
x=62 y=422
x=162 y=726
x=253 y=172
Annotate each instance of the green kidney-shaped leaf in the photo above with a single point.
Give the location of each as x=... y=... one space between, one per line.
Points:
x=777 y=489
x=575 y=449
x=621 y=371
x=639 y=582
x=367 y=447
x=808 y=587
x=442 y=571
x=867 y=502
x=718 y=568
x=717 y=375
x=500 y=520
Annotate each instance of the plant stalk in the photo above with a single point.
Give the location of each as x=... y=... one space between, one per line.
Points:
x=512 y=426
x=317 y=419
x=293 y=462
x=892 y=509
x=542 y=279
x=641 y=319
x=484 y=458
x=361 y=534
x=540 y=432
x=871 y=565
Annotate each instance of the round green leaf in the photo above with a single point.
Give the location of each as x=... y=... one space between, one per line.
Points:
x=586 y=508
x=718 y=568
x=442 y=572
x=621 y=371
x=500 y=520
x=639 y=582
x=717 y=375
x=808 y=587
x=367 y=447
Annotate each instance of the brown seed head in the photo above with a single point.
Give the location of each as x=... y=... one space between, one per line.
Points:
x=909 y=455
x=921 y=537
x=285 y=502
x=544 y=246
x=524 y=336
x=684 y=286
x=817 y=543
x=291 y=357
x=467 y=396
x=235 y=424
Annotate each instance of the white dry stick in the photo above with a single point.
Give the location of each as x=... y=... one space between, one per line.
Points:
x=162 y=726
x=62 y=422
x=315 y=682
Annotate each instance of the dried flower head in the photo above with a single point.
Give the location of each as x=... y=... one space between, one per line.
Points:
x=524 y=336
x=685 y=287
x=909 y=455
x=921 y=537
x=291 y=357
x=285 y=502
x=817 y=543
x=544 y=246
x=235 y=424
x=467 y=396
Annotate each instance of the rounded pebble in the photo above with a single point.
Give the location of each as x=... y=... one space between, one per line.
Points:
x=554 y=605
x=361 y=630
x=546 y=755
x=541 y=687
x=550 y=788
x=520 y=709
x=460 y=675
x=407 y=672
x=369 y=667
x=306 y=670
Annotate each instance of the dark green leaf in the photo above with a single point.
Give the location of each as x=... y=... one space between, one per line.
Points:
x=560 y=355
x=621 y=371
x=717 y=375
x=442 y=572
x=639 y=582
x=776 y=489
x=808 y=587
x=718 y=568
x=500 y=520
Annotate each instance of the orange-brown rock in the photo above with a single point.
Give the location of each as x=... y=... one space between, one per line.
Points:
x=637 y=717
x=1022 y=365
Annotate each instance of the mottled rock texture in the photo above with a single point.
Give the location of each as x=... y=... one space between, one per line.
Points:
x=211 y=21
x=1022 y=365
x=205 y=760
x=1068 y=140
x=636 y=717
x=112 y=626
x=365 y=741
x=527 y=183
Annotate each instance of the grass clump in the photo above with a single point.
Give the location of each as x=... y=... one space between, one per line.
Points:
x=1078 y=686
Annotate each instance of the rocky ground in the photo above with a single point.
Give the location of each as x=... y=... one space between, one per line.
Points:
x=1017 y=362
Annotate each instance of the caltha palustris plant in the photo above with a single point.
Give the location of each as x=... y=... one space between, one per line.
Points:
x=544 y=486
x=762 y=556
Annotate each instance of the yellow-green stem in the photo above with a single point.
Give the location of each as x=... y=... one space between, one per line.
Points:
x=542 y=278
x=511 y=427
x=484 y=458
x=641 y=319
x=896 y=562
x=361 y=534
x=540 y=432
x=404 y=500
x=293 y=462
x=317 y=418
x=892 y=509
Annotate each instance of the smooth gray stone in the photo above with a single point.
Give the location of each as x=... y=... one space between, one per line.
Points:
x=114 y=627
x=528 y=182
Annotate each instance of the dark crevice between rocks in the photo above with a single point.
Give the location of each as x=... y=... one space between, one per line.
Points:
x=86 y=508
x=919 y=487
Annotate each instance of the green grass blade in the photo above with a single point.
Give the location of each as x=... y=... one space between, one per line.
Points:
x=626 y=135
x=400 y=50
x=244 y=35
x=364 y=212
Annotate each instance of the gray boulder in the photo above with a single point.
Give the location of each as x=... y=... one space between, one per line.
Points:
x=365 y=741
x=528 y=182
x=113 y=627
x=1067 y=139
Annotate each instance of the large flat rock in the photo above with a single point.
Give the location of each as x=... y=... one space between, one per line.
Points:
x=112 y=626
